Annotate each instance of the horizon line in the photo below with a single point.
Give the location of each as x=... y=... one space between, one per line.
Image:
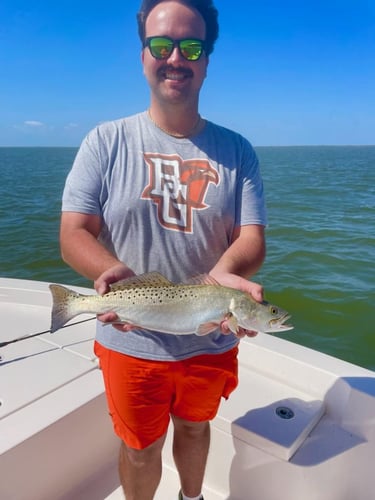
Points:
x=254 y=146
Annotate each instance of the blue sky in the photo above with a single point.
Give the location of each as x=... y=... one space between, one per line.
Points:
x=282 y=73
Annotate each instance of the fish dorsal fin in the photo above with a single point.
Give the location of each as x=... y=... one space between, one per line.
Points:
x=147 y=279
x=201 y=279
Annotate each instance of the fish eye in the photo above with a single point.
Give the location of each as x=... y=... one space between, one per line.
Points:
x=273 y=310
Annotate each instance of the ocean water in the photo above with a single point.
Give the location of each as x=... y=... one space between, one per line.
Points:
x=320 y=239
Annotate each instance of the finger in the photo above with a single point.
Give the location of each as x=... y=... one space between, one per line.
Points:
x=123 y=327
x=114 y=320
x=101 y=286
x=250 y=333
x=109 y=317
x=224 y=328
x=245 y=333
x=256 y=291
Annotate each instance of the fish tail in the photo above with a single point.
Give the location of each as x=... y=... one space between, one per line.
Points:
x=63 y=309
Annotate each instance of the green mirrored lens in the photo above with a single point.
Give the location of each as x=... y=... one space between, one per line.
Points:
x=160 y=47
x=191 y=49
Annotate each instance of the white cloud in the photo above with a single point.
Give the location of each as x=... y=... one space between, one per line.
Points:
x=33 y=123
x=70 y=126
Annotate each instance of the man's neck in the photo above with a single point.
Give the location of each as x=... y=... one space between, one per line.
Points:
x=176 y=121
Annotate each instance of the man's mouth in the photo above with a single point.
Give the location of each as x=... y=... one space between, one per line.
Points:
x=176 y=75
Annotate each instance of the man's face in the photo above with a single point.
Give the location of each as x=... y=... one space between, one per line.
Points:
x=175 y=80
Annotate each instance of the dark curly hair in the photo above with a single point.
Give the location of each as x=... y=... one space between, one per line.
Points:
x=206 y=9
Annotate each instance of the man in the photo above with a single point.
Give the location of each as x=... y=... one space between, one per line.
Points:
x=166 y=190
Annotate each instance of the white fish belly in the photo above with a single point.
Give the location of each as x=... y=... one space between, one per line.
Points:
x=180 y=319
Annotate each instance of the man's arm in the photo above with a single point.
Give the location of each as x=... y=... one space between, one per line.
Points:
x=241 y=260
x=82 y=251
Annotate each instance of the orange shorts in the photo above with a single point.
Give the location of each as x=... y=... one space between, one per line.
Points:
x=142 y=394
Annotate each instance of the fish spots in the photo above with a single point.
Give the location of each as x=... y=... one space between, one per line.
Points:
x=145 y=294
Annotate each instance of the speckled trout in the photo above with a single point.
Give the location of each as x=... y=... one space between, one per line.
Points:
x=150 y=301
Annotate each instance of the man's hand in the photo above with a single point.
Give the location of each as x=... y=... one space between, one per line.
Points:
x=235 y=281
x=112 y=275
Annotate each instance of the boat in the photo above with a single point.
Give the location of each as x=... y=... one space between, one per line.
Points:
x=301 y=424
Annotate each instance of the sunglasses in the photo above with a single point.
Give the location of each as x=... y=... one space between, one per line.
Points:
x=161 y=47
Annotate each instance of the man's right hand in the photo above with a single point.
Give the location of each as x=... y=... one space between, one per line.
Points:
x=102 y=285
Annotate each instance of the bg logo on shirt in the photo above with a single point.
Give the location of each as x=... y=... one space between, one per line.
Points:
x=177 y=187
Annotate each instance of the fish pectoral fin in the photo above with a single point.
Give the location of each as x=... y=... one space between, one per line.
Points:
x=146 y=279
x=206 y=328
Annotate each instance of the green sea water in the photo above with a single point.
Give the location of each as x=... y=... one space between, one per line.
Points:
x=320 y=238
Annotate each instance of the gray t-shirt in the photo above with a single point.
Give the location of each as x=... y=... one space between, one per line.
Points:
x=168 y=205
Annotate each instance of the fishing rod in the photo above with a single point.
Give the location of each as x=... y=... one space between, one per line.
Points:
x=25 y=337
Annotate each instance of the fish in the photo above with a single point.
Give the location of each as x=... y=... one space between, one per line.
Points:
x=150 y=301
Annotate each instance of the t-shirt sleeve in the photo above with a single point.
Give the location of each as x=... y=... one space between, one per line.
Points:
x=84 y=184
x=251 y=208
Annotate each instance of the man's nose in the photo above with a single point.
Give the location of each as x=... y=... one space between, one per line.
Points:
x=175 y=55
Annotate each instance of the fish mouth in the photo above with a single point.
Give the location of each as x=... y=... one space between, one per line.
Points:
x=280 y=325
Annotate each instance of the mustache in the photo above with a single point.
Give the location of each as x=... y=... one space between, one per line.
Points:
x=167 y=67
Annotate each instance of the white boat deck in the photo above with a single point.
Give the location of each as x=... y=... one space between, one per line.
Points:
x=304 y=419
